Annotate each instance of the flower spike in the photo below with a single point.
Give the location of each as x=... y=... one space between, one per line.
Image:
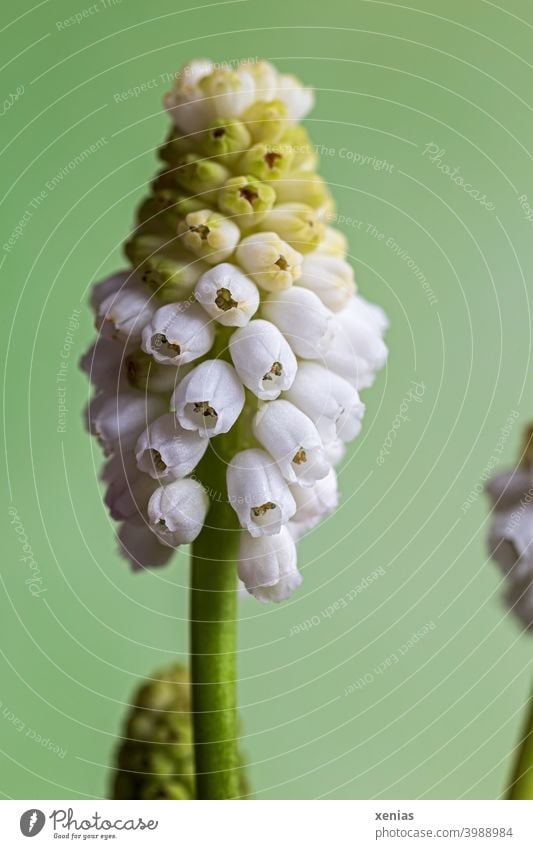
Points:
x=231 y=353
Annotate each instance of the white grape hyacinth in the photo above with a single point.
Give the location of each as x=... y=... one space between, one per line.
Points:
x=235 y=340
x=510 y=537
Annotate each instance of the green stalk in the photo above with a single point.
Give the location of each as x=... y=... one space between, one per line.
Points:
x=521 y=786
x=213 y=618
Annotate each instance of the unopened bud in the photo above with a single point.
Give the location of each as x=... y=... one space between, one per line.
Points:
x=266 y=161
x=246 y=200
x=266 y=122
x=209 y=235
x=296 y=223
x=227 y=139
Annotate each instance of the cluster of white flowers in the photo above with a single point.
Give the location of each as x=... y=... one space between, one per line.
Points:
x=511 y=537
x=238 y=322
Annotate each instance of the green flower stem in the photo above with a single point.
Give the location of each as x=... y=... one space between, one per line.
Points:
x=213 y=641
x=521 y=786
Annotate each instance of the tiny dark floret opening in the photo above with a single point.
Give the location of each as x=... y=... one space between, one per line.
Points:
x=161 y=344
x=202 y=230
x=249 y=194
x=262 y=509
x=300 y=457
x=224 y=301
x=271 y=158
x=157 y=460
x=205 y=409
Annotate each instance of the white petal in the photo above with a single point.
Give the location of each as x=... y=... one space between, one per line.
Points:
x=117 y=420
x=263 y=359
x=258 y=493
x=334 y=243
x=166 y=451
x=209 y=235
x=293 y=441
x=209 y=399
x=511 y=541
x=177 y=511
x=357 y=350
x=265 y=78
x=335 y=451
x=227 y=295
x=363 y=333
x=110 y=286
x=298 y=99
x=140 y=546
x=178 y=333
x=519 y=598
x=272 y=263
x=230 y=91
x=267 y=566
x=331 y=403
x=104 y=363
x=128 y=494
x=123 y=314
x=329 y=277
x=313 y=503
x=303 y=319
x=373 y=313
x=186 y=103
x=507 y=489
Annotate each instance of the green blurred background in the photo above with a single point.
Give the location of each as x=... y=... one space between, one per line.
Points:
x=434 y=716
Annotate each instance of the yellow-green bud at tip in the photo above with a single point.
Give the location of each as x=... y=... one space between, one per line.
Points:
x=209 y=235
x=185 y=203
x=160 y=211
x=306 y=187
x=170 y=278
x=227 y=139
x=334 y=243
x=304 y=154
x=143 y=245
x=174 y=148
x=266 y=121
x=246 y=200
x=148 y=376
x=295 y=223
x=266 y=161
x=201 y=177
